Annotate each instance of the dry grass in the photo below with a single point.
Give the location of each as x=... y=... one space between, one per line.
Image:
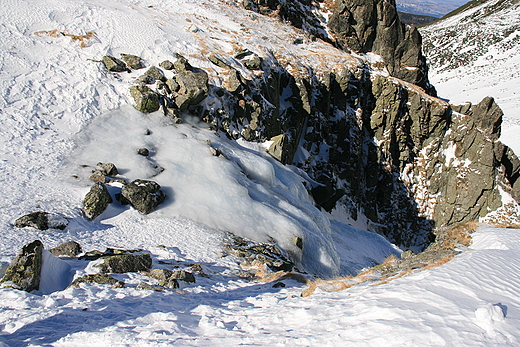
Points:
x=82 y=39
x=461 y=233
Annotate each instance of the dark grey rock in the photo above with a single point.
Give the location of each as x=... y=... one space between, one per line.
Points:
x=96 y=201
x=143 y=151
x=219 y=61
x=24 y=271
x=42 y=221
x=143 y=195
x=181 y=64
x=253 y=63
x=69 y=249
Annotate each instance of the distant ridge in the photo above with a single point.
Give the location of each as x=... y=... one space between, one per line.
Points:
x=415 y=19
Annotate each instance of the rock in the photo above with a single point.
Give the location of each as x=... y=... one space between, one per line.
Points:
x=242 y=54
x=165 y=278
x=24 y=271
x=69 y=249
x=123 y=263
x=219 y=61
x=98 y=176
x=173 y=86
x=181 y=64
x=167 y=65
x=132 y=61
x=96 y=201
x=183 y=276
x=98 y=278
x=114 y=64
x=143 y=195
x=146 y=100
x=253 y=63
x=234 y=82
x=143 y=151
x=277 y=148
x=42 y=221
x=193 y=88
x=109 y=169
x=147 y=286
x=155 y=73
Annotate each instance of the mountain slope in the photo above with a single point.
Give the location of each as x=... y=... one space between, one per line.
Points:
x=475 y=53
x=62 y=112
x=429 y=8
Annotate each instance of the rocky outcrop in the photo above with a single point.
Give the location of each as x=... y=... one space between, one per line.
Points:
x=357 y=25
x=374 y=26
x=97 y=278
x=24 y=271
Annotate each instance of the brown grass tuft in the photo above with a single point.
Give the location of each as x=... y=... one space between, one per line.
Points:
x=82 y=39
x=461 y=233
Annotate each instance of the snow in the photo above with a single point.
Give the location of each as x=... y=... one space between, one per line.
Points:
x=60 y=110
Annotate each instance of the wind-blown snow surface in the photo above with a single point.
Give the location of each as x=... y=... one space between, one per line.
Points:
x=475 y=54
x=59 y=109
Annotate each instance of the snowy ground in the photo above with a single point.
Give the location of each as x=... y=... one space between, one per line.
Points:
x=59 y=109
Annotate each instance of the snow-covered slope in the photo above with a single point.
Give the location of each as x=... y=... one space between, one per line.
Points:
x=476 y=53
x=59 y=109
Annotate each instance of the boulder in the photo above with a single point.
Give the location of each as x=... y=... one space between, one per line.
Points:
x=69 y=249
x=143 y=151
x=193 y=88
x=146 y=100
x=113 y=64
x=132 y=61
x=42 y=221
x=143 y=195
x=24 y=271
x=96 y=201
x=122 y=263
x=234 y=82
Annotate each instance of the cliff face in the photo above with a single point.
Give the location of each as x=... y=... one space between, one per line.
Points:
x=377 y=150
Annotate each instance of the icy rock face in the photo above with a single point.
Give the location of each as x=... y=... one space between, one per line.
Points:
x=24 y=271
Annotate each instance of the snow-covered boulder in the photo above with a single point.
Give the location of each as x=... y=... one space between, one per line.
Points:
x=41 y=221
